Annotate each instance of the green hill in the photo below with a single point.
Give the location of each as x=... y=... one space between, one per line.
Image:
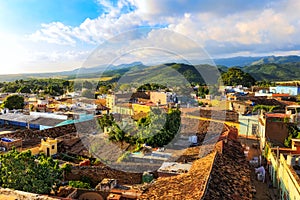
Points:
x=171 y=74
x=277 y=60
x=176 y=73
x=274 y=72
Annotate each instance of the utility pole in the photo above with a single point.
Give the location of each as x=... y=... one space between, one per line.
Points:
x=247 y=128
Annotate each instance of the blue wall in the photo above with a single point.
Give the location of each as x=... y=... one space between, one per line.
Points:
x=20 y=124
x=292 y=90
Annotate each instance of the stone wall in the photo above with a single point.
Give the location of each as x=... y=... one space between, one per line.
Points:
x=97 y=173
x=20 y=195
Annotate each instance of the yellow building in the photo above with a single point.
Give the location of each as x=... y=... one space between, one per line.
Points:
x=49 y=146
x=159 y=97
x=110 y=101
x=125 y=109
x=137 y=108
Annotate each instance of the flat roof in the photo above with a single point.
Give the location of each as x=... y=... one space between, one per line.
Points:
x=18 y=117
x=47 y=121
x=152 y=156
x=293 y=106
x=175 y=167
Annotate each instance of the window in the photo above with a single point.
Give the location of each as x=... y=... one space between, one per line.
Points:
x=254 y=129
x=53 y=146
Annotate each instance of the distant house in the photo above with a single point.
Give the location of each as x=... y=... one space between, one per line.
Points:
x=241 y=107
x=163 y=98
x=272 y=127
x=116 y=99
x=245 y=105
x=42 y=105
x=102 y=109
x=49 y=146
x=106 y=184
x=248 y=125
x=124 y=109
x=291 y=90
x=122 y=103
x=9 y=143
x=141 y=108
x=37 y=121
x=294 y=112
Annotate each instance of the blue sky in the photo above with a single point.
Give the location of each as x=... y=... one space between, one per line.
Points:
x=26 y=16
x=57 y=35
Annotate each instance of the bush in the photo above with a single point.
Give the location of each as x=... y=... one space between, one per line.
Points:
x=79 y=184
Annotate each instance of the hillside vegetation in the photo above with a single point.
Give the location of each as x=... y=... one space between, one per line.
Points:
x=274 y=72
x=169 y=75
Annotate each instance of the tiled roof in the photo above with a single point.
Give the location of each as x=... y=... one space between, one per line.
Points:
x=277 y=115
x=191 y=185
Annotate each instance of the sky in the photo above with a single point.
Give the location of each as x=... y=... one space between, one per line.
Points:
x=60 y=35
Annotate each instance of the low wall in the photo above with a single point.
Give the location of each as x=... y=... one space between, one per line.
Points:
x=97 y=173
x=20 y=195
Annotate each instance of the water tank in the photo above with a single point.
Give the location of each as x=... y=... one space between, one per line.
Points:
x=193 y=139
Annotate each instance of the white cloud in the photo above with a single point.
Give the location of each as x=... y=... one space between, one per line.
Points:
x=55 y=32
x=93 y=31
x=12 y=53
x=239 y=26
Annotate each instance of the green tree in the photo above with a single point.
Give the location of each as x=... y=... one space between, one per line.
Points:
x=22 y=171
x=160 y=128
x=105 y=121
x=66 y=168
x=202 y=91
x=265 y=83
x=87 y=85
x=117 y=134
x=265 y=108
x=125 y=87
x=79 y=184
x=24 y=89
x=235 y=76
x=13 y=102
x=88 y=94
x=49 y=86
x=294 y=132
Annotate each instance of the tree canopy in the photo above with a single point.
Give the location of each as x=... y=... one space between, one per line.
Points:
x=13 y=102
x=157 y=129
x=23 y=171
x=266 y=108
x=235 y=76
x=48 y=86
x=294 y=132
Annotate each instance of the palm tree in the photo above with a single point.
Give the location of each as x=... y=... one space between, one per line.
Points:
x=265 y=108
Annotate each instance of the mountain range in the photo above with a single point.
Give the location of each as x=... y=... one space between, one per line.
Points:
x=273 y=68
x=248 y=61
